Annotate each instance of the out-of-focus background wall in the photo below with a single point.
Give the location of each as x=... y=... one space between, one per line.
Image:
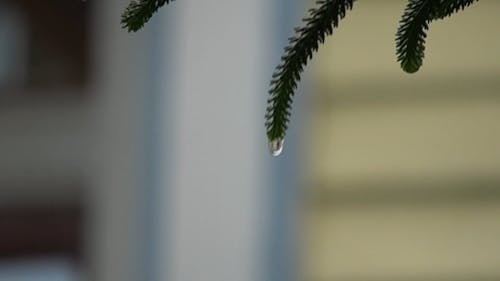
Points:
x=143 y=156
x=136 y=156
x=403 y=171
x=45 y=137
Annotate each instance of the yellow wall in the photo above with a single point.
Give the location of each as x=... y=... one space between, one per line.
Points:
x=403 y=171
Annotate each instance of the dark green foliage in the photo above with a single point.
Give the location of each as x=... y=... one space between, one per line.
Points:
x=410 y=37
x=449 y=7
x=318 y=25
x=410 y=44
x=139 y=12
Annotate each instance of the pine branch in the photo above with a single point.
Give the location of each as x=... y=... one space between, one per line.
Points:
x=449 y=7
x=318 y=25
x=410 y=46
x=139 y=12
x=410 y=37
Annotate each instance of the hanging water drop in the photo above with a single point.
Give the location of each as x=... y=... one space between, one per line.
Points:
x=276 y=146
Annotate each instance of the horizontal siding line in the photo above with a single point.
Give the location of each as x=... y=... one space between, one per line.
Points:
x=471 y=277
x=376 y=90
x=470 y=191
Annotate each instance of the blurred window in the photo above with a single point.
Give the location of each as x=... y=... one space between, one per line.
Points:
x=40 y=243
x=51 y=269
x=43 y=46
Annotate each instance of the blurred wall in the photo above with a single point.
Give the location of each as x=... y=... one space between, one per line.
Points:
x=402 y=176
x=73 y=143
x=156 y=137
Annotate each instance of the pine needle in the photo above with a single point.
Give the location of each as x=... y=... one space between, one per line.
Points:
x=318 y=25
x=139 y=12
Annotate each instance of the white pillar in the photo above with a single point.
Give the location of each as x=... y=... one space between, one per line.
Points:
x=216 y=144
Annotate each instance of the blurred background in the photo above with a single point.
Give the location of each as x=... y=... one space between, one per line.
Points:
x=143 y=156
x=402 y=174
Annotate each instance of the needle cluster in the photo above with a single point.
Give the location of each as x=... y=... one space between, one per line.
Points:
x=139 y=12
x=317 y=26
x=412 y=31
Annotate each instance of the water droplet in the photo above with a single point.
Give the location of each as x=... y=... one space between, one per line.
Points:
x=276 y=146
